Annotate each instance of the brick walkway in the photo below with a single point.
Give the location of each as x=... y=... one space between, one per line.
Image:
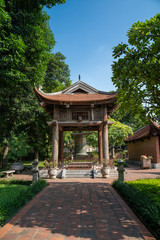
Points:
x=85 y=209
x=80 y=209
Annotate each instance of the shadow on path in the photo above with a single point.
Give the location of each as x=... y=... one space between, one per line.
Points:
x=75 y=211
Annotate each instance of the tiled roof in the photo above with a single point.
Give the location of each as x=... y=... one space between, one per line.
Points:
x=150 y=130
x=81 y=97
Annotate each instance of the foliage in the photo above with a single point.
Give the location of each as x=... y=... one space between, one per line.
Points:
x=18 y=147
x=147 y=208
x=133 y=121
x=94 y=155
x=14 y=194
x=150 y=187
x=117 y=133
x=92 y=139
x=49 y=164
x=116 y=162
x=26 y=41
x=29 y=164
x=57 y=75
x=137 y=69
x=68 y=139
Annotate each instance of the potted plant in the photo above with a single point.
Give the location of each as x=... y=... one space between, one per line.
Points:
x=105 y=169
x=52 y=168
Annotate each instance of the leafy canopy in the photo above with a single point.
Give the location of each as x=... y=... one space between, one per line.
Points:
x=26 y=42
x=136 y=73
x=117 y=133
x=135 y=121
x=57 y=76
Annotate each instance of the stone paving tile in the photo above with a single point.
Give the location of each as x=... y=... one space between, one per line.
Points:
x=77 y=210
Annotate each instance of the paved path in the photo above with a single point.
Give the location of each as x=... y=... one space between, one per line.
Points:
x=85 y=209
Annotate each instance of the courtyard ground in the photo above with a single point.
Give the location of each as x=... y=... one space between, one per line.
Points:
x=77 y=209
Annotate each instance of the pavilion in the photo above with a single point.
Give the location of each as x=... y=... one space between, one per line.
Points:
x=79 y=107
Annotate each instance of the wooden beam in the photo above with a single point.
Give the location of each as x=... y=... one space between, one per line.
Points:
x=80 y=124
x=110 y=122
x=81 y=133
x=91 y=128
x=52 y=123
x=43 y=104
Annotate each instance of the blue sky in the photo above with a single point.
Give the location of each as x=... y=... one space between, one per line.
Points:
x=87 y=30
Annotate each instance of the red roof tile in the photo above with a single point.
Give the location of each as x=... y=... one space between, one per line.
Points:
x=74 y=97
x=149 y=130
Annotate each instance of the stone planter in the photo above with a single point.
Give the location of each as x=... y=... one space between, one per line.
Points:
x=18 y=166
x=52 y=173
x=145 y=161
x=105 y=172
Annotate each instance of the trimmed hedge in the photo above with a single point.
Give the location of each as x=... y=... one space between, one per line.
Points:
x=141 y=203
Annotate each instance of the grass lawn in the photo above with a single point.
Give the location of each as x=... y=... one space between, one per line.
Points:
x=14 y=194
x=143 y=197
x=40 y=165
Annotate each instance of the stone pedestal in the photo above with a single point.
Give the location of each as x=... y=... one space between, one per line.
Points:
x=120 y=170
x=80 y=147
x=35 y=171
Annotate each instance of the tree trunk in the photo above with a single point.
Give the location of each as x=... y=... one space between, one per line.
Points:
x=36 y=154
x=4 y=159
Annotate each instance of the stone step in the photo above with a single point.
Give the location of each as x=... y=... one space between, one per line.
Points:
x=112 y=173
x=79 y=162
x=77 y=165
x=78 y=171
x=78 y=174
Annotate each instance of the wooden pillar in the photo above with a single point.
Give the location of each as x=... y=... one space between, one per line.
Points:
x=92 y=112
x=100 y=148
x=105 y=137
x=61 y=145
x=55 y=144
x=105 y=143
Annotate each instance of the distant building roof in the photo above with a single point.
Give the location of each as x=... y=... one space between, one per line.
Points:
x=152 y=129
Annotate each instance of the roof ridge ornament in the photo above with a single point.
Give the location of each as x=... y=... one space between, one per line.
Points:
x=40 y=87
x=79 y=78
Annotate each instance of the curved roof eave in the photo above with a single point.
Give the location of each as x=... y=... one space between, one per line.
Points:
x=74 y=98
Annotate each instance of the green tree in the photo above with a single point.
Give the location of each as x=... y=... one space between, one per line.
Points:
x=117 y=134
x=69 y=143
x=134 y=121
x=25 y=45
x=57 y=76
x=137 y=69
x=92 y=139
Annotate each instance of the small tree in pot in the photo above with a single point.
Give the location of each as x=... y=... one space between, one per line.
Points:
x=52 y=168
